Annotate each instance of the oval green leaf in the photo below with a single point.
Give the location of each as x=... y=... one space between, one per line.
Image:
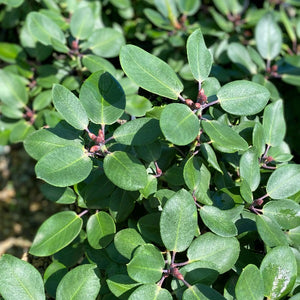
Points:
x=284 y=182
x=201 y=292
x=218 y=221
x=125 y=171
x=44 y=29
x=221 y=251
x=285 y=212
x=69 y=106
x=268 y=37
x=19 y=279
x=279 y=272
x=243 y=98
x=43 y=141
x=150 y=72
x=104 y=107
x=127 y=240
x=82 y=23
x=121 y=285
x=78 y=283
x=150 y=292
x=250 y=285
x=100 y=230
x=199 y=57
x=179 y=124
x=249 y=168
x=224 y=136
x=178 y=222
x=270 y=231
x=147 y=264
x=56 y=233
x=274 y=123
x=64 y=166
x=105 y=42
x=138 y=132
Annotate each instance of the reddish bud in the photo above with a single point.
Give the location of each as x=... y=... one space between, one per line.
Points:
x=92 y=136
x=189 y=102
x=177 y=274
x=197 y=105
x=269 y=159
x=95 y=148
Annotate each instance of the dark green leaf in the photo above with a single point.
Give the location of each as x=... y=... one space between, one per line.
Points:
x=218 y=221
x=125 y=171
x=199 y=57
x=201 y=292
x=78 y=283
x=279 y=271
x=179 y=124
x=100 y=230
x=284 y=182
x=56 y=233
x=69 y=106
x=221 y=251
x=150 y=72
x=121 y=285
x=138 y=132
x=150 y=292
x=243 y=97
x=274 y=123
x=178 y=222
x=147 y=264
x=224 y=136
x=64 y=166
x=250 y=285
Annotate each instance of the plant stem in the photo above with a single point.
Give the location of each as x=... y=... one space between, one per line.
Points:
x=210 y=104
x=83 y=213
x=181 y=98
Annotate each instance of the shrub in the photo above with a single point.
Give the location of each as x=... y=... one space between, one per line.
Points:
x=192 y=195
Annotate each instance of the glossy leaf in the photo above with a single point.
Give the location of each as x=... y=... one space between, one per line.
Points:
x=103 y=98
x=249 y=168
x=218 y=221
x=78 y=283
x=12 y=90
x=199 y=57
x=258 y=137
x=250 y=285
x=221 y=251
x=137 y=105
x=270 y=231
x=201 y=292
x=279 y=271
x=209 y=155
x=224 y=136
x=64 y=166
x=147 y=264
x=43 y=141
x=121 y=285
x=179 y=124
x=148 y=226
x=100 y=230
x=150 y=292
x=69 y=106
x=138 y=132
x=105 y=42
x=197 y=178
x=157 y=19
x=274 y=123
x=285 y=212
x=127 y=240
x=19 y=279
x=56 y=233
x=82 y=23
x=150 y=72
x=268 y=37
x=125 y=171
x=178 y=222
x=284 y=182
x=243 y=98
x=44 y=29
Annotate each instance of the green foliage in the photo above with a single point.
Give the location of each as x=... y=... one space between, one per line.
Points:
x=162 y=200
